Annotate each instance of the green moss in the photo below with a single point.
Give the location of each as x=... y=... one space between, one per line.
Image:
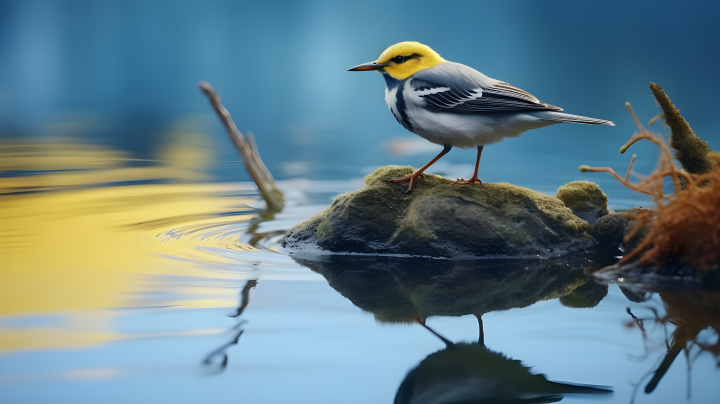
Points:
x=324 y=229
x=387 y=173
x=691 y=151
x=441 y=218
x=578 y=195
x=585 y=199
x=610 y=229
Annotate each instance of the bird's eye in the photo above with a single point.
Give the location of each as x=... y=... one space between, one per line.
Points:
x=398 y=59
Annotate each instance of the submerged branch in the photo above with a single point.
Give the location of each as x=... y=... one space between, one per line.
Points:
x=248 y=152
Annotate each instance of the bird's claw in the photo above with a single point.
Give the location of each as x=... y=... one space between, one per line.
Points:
x=412 y=177
x=408 y=178
x=463 y=181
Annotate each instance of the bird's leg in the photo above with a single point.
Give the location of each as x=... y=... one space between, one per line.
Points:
x=481 y=335
x=447 y=342
x=419 y=173
x=474 y=178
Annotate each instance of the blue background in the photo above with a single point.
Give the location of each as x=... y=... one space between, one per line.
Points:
x=124 y=74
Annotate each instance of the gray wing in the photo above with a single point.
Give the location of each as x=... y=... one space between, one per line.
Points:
x=453 y=87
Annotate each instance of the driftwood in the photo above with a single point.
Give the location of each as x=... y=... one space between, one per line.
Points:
x=248 y=152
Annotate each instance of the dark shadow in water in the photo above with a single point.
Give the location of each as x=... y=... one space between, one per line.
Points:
x=404 y=290
x=409 y=290
x=690 y=312
x=472 y=373
x=211 y=361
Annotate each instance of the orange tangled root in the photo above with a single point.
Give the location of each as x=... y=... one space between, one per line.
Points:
x=685 y=225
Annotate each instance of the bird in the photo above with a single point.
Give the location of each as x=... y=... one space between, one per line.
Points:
x=454 y=105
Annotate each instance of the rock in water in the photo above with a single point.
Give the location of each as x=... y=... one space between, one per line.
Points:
x=441 y=219
x=585 y=199
x=610 y=231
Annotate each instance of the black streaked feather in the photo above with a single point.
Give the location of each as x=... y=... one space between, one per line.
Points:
x=469 y=91
x=400 y=103
x=401 y=106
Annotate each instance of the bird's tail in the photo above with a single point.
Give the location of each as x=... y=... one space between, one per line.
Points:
x=563 y=117
x=571 y=388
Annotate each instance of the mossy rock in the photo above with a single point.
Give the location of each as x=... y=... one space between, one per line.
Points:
x=585 y=199
x=442 y=219
x=610 y=230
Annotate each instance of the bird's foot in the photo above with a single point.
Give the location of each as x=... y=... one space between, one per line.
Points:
x=463 y=181
x=410 y=178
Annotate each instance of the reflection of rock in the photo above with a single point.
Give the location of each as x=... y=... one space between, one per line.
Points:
x=441 y=219
x=677 y=274
x=471 y=373
x=635 y=295
x=408 y=289
x=585 y=296
x=585 y=199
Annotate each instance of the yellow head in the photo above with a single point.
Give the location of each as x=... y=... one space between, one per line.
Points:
x=404 y=59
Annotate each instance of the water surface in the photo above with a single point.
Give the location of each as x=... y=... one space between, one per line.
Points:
x=135 y=265
x=147 y=283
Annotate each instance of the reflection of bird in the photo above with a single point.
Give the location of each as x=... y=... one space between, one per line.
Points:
x=452 y=104
x=471 y=373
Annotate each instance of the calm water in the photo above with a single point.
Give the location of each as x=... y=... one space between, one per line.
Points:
x=174 y=290
x=134 y=266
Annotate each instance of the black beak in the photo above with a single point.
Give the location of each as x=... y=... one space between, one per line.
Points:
x=367 y=67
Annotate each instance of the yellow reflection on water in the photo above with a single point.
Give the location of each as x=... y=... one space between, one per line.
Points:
x=76 y=251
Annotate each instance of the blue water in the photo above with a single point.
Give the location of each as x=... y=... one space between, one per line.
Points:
x=205 y=317
x=129 y=228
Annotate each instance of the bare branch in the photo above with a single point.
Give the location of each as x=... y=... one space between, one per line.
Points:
x=248 y=152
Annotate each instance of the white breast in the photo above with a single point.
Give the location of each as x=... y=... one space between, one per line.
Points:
x=391 y=100
x=464 y=130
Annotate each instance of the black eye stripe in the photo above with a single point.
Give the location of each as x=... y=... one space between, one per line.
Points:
x=402 y=59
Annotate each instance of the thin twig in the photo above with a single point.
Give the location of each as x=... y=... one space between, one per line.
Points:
x=655 y=119
x=248 y=152
x=617 y=176
x=653 y=184
x=629 y=170
x=665 y=155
